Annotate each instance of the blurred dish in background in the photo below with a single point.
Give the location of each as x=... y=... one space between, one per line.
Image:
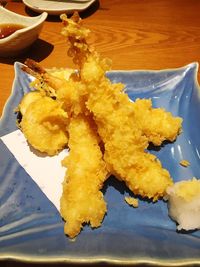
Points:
x=58 y=7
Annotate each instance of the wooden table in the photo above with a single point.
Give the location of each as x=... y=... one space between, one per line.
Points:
x=135 y=34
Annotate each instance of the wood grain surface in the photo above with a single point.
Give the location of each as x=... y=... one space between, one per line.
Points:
x=135 y=34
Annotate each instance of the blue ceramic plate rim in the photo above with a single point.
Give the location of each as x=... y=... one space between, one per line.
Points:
x=98 y=258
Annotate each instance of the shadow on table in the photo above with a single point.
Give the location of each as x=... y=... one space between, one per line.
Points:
x=91 y=10
x=38 y=51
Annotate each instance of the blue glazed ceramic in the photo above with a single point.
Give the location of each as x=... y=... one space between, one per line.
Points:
x=30 y=226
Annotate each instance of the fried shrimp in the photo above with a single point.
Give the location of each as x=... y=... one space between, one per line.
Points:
x=65 y=86
x=27 y=100
x=82 y=201
x=44 y=81
x=44 y=125
x=107 y=133
x=156 y=124
x=123 y=139
x=115 y=117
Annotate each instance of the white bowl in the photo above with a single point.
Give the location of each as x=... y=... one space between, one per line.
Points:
x=19 y=41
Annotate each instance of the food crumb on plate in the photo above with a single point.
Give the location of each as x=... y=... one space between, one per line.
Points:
x=184 y=163
x=132 y=201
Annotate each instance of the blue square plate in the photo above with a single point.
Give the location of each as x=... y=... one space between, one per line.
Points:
x=31 y=228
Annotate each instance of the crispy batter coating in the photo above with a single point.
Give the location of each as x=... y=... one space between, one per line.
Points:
x=63 y=85
x=44 y=126
x=124 y=141
x=156 y=124
x=184 y=163
x=117 y=123
x=85 y=175
x=27 y=100
x=82 y=201
x=132 y=201
x=85 y=105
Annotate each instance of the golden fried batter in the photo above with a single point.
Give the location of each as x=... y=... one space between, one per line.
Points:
x=82 y=201
x=123 y=139
x=117 y=123
x=44 y=125
x=27 y=100
x=86 y=106
x=156 y=124
x=64 y=85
